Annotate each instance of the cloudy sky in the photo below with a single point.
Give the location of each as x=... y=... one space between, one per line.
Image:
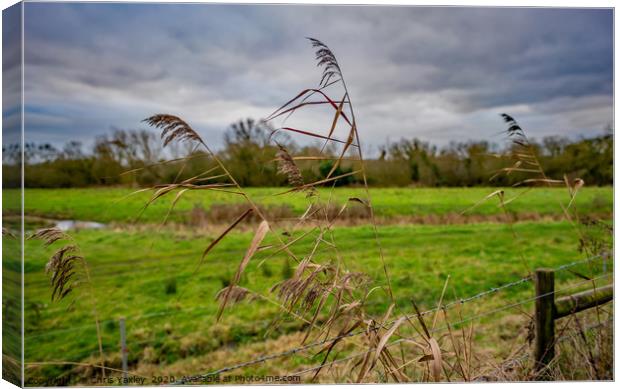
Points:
x=439 y=74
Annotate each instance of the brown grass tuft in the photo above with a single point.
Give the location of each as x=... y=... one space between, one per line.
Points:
x=49 y=235
x=61 y=268
x=259 y=235
x=235 y=294
x=288 y=167
x=173 y=128
x=327 y=60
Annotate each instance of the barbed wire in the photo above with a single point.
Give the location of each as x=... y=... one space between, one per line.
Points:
x=318 y=343
x=450 y=325
x=506 y=364
x=449 y=305
x=514 y=283
x=526 y=355
x=153 y=280
x=314 y=344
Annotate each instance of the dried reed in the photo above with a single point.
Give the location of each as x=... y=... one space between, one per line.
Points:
x=68 y=269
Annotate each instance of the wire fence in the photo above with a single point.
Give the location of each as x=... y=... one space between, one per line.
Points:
x=297 y=350
x=513 y=362
x=309 y=346
x=506 y=364
x=446 y=327
x=207 y=307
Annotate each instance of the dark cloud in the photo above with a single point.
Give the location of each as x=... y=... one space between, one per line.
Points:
x=438 y=73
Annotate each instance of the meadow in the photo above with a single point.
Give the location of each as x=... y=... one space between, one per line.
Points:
x=121 y=205
x=208 y=270
x=150 y=276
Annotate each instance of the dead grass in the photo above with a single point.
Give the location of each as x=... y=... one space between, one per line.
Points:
x=322 y=293
x=327 y=287
x=68 y=269
x=221 y=214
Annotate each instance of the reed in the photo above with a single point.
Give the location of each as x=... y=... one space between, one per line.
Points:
x=321 y=290
x=68 y=269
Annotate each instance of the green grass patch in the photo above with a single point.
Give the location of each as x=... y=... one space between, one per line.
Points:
x=132 y=273
x=111 y=204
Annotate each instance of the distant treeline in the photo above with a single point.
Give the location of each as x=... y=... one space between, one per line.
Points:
x=134 y=157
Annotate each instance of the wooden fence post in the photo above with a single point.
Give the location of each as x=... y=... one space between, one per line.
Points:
x=123 y=347
x=545 y=328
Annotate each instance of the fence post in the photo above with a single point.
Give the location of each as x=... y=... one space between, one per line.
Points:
x=544 y=321
x=123 y=346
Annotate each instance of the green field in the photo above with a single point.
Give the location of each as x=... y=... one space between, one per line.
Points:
x=148 y=275
x=107 y=205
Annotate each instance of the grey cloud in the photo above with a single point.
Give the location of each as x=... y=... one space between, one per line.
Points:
x=439 y=73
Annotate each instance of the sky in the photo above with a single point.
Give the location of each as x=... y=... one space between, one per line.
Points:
x=438 y=74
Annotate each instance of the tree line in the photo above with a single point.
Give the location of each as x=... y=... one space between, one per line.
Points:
x=136 y=158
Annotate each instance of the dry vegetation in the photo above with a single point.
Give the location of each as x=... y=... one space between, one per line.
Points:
x=68 y=269
x=340 y=340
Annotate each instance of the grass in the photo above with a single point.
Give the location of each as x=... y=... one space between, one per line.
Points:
x=111 y=205
x=177 y=325
x=171 y=311
x=150 y=277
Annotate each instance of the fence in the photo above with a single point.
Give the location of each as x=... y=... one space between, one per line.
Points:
x=544 y=294
x=548 y=310
x=265 y=358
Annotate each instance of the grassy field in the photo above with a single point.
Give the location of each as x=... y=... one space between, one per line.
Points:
x=149 y=276
x=107 y=205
